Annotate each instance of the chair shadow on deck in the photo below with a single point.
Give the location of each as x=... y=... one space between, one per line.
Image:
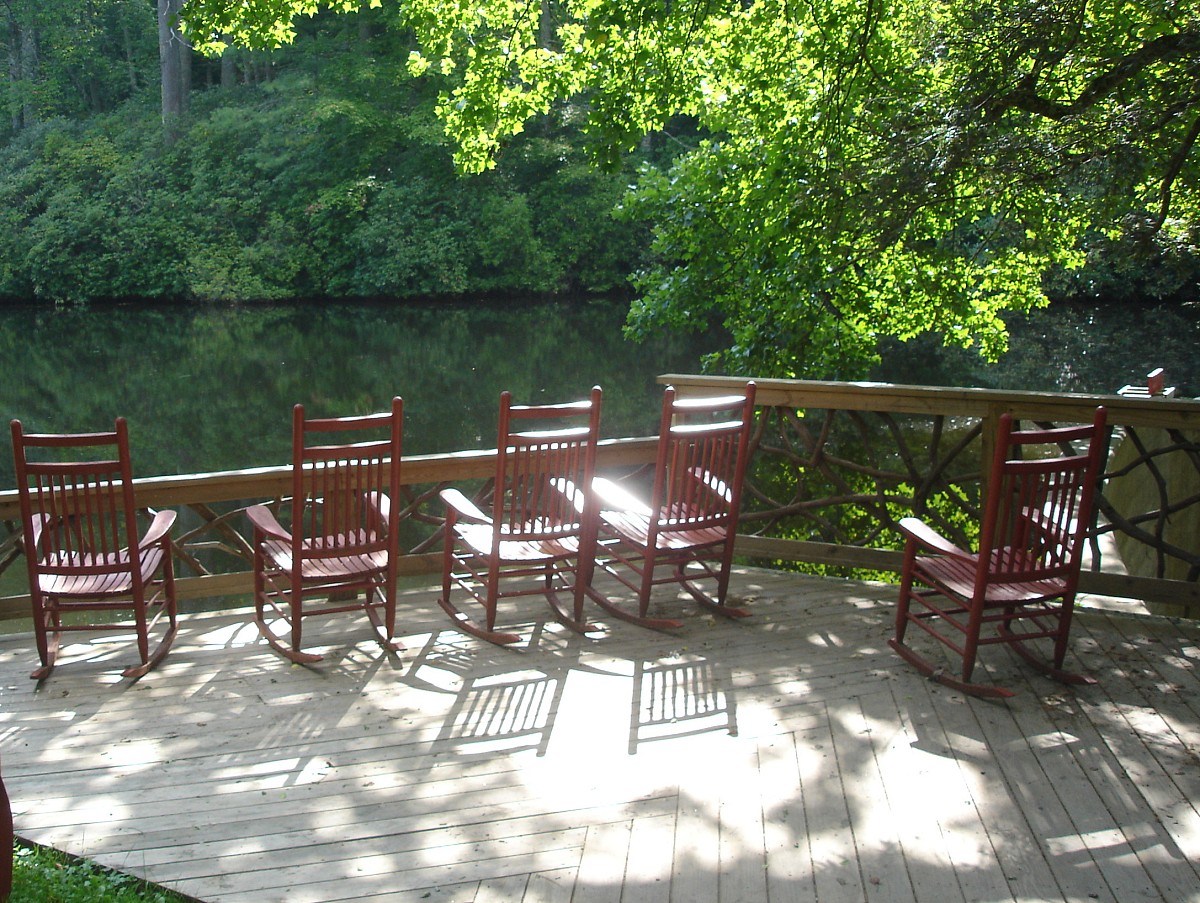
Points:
x=635 y=764
x=506 y=704
x=680 y=697
x=1034 y=756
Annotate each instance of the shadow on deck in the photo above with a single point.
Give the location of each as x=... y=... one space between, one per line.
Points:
x=790 y=756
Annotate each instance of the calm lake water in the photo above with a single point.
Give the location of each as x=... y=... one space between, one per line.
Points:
x=211 y=388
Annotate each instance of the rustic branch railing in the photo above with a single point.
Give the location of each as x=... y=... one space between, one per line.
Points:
x=835 y=467
x=212 y=522
x=838 y=464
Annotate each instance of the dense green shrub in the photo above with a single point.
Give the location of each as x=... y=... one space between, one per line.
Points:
x=329 y=183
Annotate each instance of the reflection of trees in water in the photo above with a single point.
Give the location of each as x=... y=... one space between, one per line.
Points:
x=211 y=388
x=1064 y=348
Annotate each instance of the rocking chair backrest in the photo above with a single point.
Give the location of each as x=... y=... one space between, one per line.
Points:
x=340 y=467
x=77 y=504
x=701 y=462
x=541 y=450
x=1039 y=509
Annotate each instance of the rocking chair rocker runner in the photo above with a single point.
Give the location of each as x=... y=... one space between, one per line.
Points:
x=539 y=527
x=344 y=536
x=691 y=521
x=82 y=544
x=1024 y=579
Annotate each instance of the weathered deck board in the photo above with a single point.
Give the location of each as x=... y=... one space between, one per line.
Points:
x=788 y=758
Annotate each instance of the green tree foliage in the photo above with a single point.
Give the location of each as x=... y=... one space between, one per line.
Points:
x=329 y=178
x=865 y=168
x=72 y=57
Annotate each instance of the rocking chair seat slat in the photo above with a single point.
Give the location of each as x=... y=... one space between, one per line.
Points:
x=635 y=528
x=959 y=577
x=320 y=569
x=93 y=576
x=479 y=538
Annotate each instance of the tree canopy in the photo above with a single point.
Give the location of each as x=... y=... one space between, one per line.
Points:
x=850 y=168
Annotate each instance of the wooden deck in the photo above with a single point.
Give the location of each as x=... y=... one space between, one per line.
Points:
x=788 y=757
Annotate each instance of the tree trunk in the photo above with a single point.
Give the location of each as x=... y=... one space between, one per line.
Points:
x=14 y=70
x=130 y=64
x=545 y=26
x=168 y=58
x=364 y=22
x=184 y=52
x=229 y=66
x=29 y=73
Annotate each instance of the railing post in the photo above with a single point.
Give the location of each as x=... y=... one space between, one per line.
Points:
x=987 y=447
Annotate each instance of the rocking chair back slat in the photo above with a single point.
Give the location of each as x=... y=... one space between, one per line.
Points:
x=1037 y=509
x=695 y=485
x=532 y=508
x=333 y=485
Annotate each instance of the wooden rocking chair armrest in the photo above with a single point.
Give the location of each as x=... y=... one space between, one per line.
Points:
x=38 y=526
x=380 y=505
x=266 y=523
x=612 y=496
x=918 y=530
x=463 y=506
x=159 y=528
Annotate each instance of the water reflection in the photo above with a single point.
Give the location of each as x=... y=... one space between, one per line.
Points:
x=211 y=388
x=1070 y=347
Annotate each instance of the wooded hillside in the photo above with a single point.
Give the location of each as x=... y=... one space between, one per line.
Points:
x=315 y=170
x=815 y=177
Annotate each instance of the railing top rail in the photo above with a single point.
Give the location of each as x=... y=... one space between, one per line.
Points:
x=275 y=481
x=1173 y=413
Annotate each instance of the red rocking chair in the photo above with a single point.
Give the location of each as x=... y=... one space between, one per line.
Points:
x=691 y=520
x=82 y=543
x=1023 y=582
x=538 y=537
x=344 y=536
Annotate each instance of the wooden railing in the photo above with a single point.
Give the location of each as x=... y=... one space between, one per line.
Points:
x=213 y=556
x=835 y=466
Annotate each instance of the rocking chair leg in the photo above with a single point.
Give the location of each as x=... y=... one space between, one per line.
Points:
x=49 y=659
x=152 y=661
x=617 y=612
x=902 y=607
x=718 y=606
x=289 y=652
x=1053 y=670
x=465 y=623
x=47 y=636
x=385 y=628
x=289 y=649
x=941 y=676
x=573 y=620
